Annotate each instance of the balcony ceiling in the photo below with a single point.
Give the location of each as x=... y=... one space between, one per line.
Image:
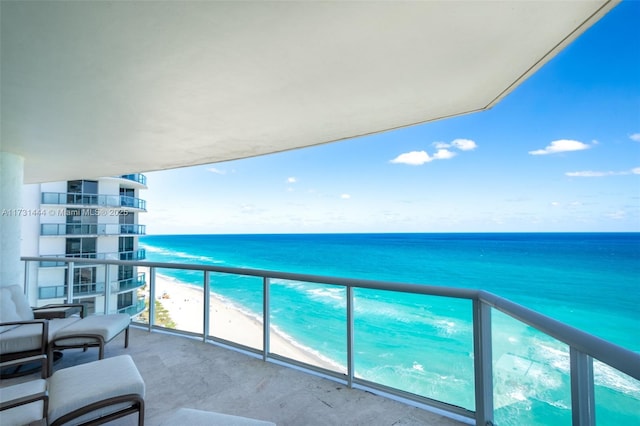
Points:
x=106 y=88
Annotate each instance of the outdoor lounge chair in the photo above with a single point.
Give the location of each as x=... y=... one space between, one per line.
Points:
x=21 y=335
x=96 y=392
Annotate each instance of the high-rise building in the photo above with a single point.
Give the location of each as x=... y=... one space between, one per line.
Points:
x=90 y=219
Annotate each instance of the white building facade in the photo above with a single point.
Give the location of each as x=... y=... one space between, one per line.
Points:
x=90 y=219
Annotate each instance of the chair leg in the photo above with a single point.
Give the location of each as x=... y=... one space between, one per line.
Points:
x=126 y=337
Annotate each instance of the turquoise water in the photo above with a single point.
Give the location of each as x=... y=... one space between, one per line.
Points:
x=424 y=344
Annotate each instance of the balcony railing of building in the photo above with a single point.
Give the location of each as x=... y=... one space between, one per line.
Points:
x=582 y=348
x=134 y=309
x=100 y=200
x=136 y=177
x=79 y=290
x=47 y=229
x=139 y=254
x=132 y=283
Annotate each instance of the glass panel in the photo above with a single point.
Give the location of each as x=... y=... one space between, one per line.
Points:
x=179 y=302
x=308 y=323
x=236 y=309
x=530 y=375
x=617 y=396
x=415 y=343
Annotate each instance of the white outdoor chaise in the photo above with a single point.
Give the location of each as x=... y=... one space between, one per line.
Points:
x=93 y=331
x=95 y=392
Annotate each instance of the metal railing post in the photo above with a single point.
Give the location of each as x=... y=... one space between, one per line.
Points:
x=207 y=306
x=482 y=363
x=26 y=279
x=266 y=320
x=152 y=296
x=107 y=289
x=70 y=282
x=350 y=328
x=583 y=406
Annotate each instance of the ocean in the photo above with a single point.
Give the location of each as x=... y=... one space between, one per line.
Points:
x=423 y=344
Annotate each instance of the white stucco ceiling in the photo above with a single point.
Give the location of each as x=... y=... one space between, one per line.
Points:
x=105 y=88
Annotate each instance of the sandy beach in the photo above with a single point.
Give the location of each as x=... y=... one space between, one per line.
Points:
x=184 y=305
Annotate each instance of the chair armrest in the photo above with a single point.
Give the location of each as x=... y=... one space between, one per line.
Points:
x=134 y=403
x=63 y=305
x=28 y=399
x=44 y=337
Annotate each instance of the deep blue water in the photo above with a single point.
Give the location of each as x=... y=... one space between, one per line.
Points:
x=424 y=344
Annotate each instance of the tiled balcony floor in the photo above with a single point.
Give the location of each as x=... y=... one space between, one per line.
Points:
x=182 y=372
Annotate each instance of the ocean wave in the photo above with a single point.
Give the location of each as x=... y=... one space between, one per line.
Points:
x=180 y=254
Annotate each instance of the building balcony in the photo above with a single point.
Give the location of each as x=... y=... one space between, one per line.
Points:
x=137 y=308
x=79 y=290
x=91 y=229
x=93 y=200
x=135 y=177
x=131 y=283
x=139 y=254
x=484 y=382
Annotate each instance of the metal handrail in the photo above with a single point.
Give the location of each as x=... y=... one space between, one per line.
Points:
x=583 y=347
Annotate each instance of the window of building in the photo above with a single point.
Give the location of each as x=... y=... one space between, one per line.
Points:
x=79 y=246
x=125 y=300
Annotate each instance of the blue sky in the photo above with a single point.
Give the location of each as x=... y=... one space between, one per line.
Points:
x=559 y=154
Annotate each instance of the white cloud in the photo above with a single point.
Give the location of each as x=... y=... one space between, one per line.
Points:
x=217 y=171
x=413 y=158
x=292 y=180
x=562 y=145
x=464 y=144
x=345 y=196
x=635 y=137
x=418 y=158
x=444 y=154
x=441 y=145
x=590 y=173
x=555 y=203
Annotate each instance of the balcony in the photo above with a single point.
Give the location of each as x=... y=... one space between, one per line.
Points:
x=95 y=200
x=79 y=290
x=91 y=229
x=131 y=283
x=139 y=254
x=135 y=177
x=481 y=374
x=134 y=309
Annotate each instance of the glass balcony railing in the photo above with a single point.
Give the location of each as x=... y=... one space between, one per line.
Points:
x=100 y=200
x=132 y=283
x=135 y=309
x=47 y=229
x=139 y=254
x=463 y=360
x=79 y=290
x=136 y=177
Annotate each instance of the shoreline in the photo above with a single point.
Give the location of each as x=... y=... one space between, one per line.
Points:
x=228 y=321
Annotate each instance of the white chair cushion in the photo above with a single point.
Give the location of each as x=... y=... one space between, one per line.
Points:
x=27 y=337
x=191 y=417
x=24 y=414
x=94 y=381
x=107 y=326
